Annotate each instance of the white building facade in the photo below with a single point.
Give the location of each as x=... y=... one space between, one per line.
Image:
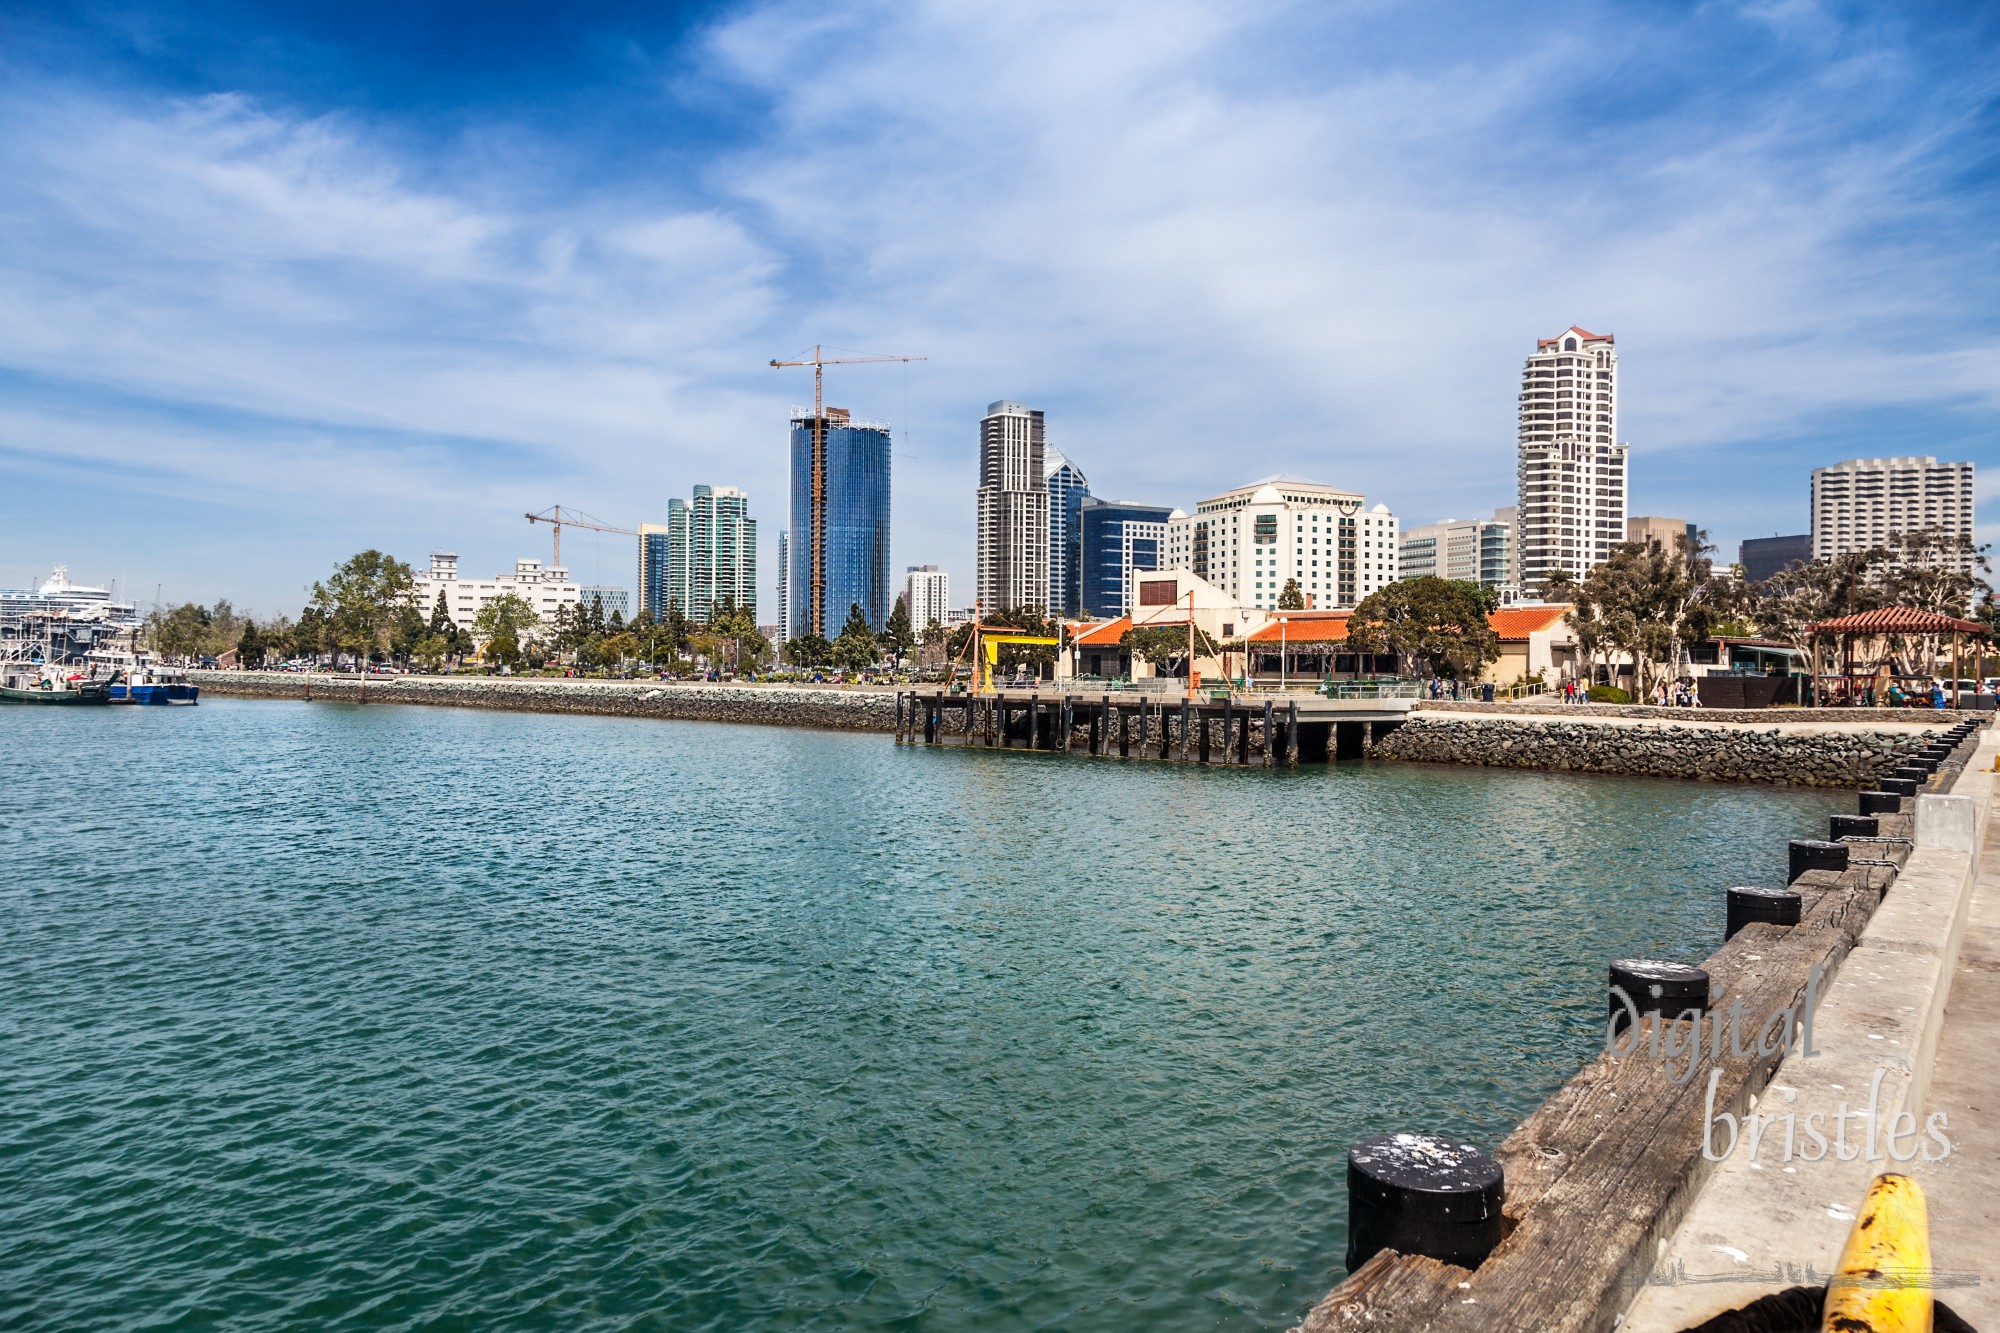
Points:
x=1858 y=504
x=1250 y=541
x=1013 y=509
x=545 y=589
x=1571 y=470
x=926 y=595
x=1477 y=550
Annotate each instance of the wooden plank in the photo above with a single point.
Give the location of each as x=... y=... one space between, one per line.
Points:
x=1607 y=1166
x=1390 y=1291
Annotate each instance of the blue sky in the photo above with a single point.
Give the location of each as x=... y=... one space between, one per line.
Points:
x=281 y=282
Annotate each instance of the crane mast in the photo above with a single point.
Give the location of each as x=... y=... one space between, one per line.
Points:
x=555 y=518
x=816 y=539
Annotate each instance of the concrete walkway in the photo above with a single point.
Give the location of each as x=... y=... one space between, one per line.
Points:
x=1963 y=1190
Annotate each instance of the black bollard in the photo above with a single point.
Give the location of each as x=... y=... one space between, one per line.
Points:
x=1880 y=803
x=1655 y=987
x=1813 y=854
x=1853 y=826
x=1900 y=786
x=1916 y=770
x=1780 y=907
x=1418 y=1194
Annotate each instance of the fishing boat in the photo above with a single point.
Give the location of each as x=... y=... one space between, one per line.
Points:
x=135 y=678
x=34 y=683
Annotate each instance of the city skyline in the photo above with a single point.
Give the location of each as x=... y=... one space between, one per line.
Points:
x=288 y=286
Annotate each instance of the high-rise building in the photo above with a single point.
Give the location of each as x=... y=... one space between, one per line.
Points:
x=926 y=595
x=1119 y=538
x=1764 y=557
x=711 y=554
x=784 y=585
x=1861 y=503
x=1068 y=488
x=1013 y=509
x=840 y=522
x=1251 y=541
x=1665 y=533
x=1571 y=468
x=655 y=557
x=1477 y=550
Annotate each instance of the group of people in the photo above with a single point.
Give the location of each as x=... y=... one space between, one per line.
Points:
x=1679 y=694
x=1444 y=687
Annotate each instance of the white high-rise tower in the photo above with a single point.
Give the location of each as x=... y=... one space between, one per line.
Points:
x=1013 y=509
x=1571 y=470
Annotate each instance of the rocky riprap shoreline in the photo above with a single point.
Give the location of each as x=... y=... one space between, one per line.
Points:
x=1792 y=756
x=766 y=705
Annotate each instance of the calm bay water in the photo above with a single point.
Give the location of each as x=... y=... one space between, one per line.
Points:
x=329 y=1016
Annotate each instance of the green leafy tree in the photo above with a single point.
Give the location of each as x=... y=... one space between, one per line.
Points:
x=1166 y=647
x=855 y=649
x=617 y=622
x=898 y=638
x=1936 y=569
x=501 y=624
x=595 y=622
x=441 y=623
x=1650 y=602
x=1438 y=622
x=620 y=647
x=408 y=628
x=1292 y=598
x=362 y=600
x=738 y=625
x=310 y=637
x=182 y=632
x=809 y=650
x=431 y=650
x=250 y=647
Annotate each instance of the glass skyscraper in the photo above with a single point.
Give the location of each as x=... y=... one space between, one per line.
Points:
x=1068 y=488
x=1116 y=538
x=839 y=534
x=655 y=558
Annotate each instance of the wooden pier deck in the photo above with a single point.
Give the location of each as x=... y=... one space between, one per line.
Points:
x=1269 y=731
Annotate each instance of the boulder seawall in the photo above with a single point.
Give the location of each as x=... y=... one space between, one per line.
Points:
x=1797 y=756
x=765 y=705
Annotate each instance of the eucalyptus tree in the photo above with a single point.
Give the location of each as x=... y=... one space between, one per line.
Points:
x=362 y=600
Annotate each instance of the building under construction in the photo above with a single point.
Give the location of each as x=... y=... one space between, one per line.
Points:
x=839 y=536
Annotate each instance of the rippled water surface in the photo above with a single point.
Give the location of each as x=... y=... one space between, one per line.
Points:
x=314 y=1015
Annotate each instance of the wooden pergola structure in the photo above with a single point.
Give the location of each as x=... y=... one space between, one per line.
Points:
x=1888 y=622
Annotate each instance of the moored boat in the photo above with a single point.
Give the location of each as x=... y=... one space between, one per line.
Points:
x=28 y=683
x=137 y=679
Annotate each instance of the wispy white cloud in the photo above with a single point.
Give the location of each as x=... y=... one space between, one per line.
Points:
x=1215 y=242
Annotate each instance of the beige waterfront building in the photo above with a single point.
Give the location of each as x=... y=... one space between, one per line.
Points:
x=1250 y=541
x=1571 y=469
x=1862 y=502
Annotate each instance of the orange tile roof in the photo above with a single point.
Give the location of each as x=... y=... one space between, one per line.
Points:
x=1106 y=634
x=1304 y=627
x=1518 y=622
